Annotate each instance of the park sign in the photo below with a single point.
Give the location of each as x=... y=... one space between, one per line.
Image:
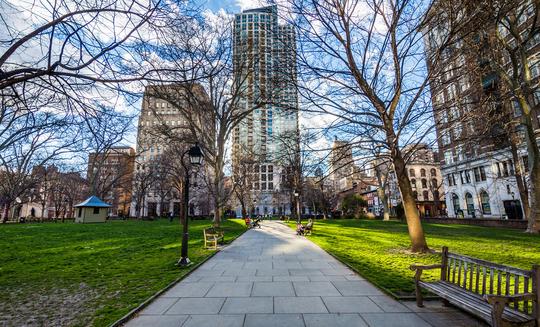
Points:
x=92 y=210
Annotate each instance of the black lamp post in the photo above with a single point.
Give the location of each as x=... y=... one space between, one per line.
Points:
x=195 y=158
x=297 y=196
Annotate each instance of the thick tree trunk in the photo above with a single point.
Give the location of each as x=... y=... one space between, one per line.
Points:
x=534 y=176
x=416 y=232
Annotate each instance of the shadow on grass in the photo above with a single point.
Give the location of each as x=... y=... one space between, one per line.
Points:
x=375 y=248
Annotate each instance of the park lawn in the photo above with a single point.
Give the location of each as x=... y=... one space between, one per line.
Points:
x=91 y=274
x=378 y=250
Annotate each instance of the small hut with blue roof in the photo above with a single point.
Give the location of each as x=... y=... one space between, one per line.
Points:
x=92 y=210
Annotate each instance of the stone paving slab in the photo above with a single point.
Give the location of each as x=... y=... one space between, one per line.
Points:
x=270 y=277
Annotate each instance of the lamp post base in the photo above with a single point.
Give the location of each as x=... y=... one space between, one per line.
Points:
x=183 y=262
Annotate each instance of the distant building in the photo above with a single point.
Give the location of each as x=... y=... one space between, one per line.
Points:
x=265 y=62
x=470 y=113
x=426 y=180
x=110 y=175
x=53 y=194
x=341 y=165
x=163 y=135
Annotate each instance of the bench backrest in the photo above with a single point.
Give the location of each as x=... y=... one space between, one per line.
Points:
x=485 y=277
x=210 y=231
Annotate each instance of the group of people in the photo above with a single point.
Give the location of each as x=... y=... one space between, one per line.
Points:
x=302 y=229
x=253 y=223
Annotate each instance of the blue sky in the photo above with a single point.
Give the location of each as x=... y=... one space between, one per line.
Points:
x=228 y=5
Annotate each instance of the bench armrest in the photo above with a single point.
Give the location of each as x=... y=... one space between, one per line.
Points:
x=492 y=298
x=424 y=267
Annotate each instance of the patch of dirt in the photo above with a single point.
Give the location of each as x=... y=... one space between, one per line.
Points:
x=53 y=307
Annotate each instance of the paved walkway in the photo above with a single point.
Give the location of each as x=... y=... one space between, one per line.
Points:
x=271 y=277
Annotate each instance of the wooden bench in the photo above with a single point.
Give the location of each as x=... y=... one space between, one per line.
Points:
x=309 y=228
x=498 y=294
x=213 y=236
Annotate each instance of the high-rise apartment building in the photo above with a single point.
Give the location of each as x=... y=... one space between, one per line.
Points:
x=164 y=133
x=471 y=115
x=265 y=73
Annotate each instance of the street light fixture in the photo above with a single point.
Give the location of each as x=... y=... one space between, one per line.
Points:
x=195 y=158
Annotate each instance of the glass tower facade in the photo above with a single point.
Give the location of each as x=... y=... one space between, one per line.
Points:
x=265 y=73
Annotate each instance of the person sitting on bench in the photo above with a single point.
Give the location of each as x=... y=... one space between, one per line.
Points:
x=299 y=229
x=255 y=223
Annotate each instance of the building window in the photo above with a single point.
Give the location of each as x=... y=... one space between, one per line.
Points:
x=422 y=172
x=470 y=204
x=535 y=68
x=424 y=183
x=425 y=194
x=448 y=157
x=434 y=184
x=413 y=183
x=482 y=173
x=484 y=198
x=411 y=173
x=433 y=172
x=455 y=203
x=476 y=171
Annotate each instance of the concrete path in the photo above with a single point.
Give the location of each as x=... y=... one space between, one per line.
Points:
x=271 y=277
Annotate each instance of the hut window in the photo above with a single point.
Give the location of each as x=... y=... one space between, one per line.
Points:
x=80 y=212
x=96 y=211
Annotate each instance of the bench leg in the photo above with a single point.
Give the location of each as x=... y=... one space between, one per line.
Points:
x=496 y=314
x=419 y=297
x=418 y=289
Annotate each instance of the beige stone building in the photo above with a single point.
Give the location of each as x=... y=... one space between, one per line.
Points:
x=424 y=172
x=171 y=120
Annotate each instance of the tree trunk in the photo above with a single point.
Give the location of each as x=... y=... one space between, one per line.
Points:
x=416 y=232
x=523 y=192
x=384 y=199
x=217 y=193
x=534 y=176
x=244 y=211
x=6 y=212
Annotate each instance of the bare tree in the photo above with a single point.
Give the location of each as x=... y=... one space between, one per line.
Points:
x=18 y=160
x=142 y=182
x=513 y=52
x=212 y=80
x=362 y=62
x=243 y=180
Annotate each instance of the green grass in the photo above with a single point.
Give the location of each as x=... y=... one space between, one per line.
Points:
x=378 y=249
x=91 y=274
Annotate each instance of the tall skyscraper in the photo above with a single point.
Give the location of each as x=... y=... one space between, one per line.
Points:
x=265 y=73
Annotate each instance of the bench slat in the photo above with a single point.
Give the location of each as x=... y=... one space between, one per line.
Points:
x=472 y=302
x=508 y=269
